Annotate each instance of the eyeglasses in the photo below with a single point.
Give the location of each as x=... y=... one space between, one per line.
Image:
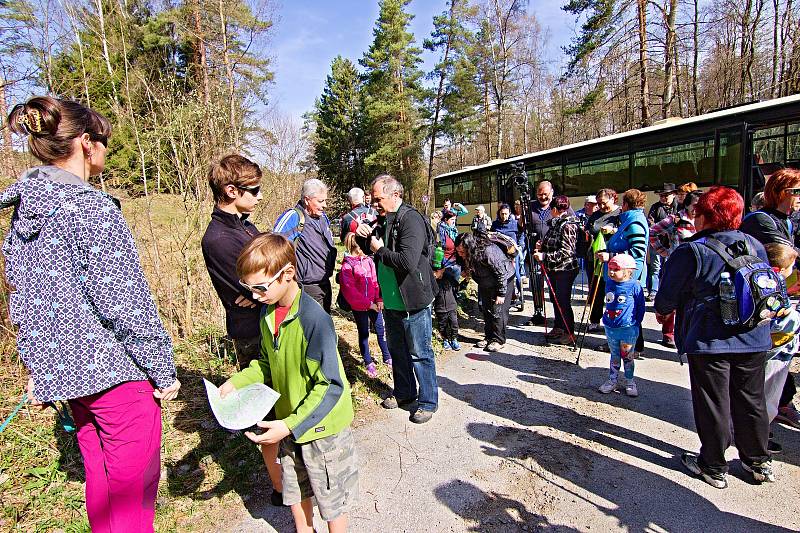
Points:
x=96 y=137
x=264 y=287
x=793 y=191
x=253 y=189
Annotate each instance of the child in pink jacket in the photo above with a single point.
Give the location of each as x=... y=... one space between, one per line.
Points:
x=359 y=285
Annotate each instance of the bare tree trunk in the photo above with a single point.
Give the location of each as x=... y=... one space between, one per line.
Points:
x=234 y=127
x=644 y=85
x=7 y=146
x=695 y=54
x=773 y=86
x=200 y=58
x=744 y=46
x=669 y=55
x=106 y=55
x=438 y=105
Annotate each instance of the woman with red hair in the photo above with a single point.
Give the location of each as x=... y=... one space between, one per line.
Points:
x=772 y=225
x=726 y=363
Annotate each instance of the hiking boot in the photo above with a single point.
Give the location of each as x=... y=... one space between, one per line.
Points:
x=446 y=345
x=761 y=471
x=608 y=387
x=668 y=341
x=774 y=447
x=421 y=416
x=454 y=344
x=563 y=339
x=630 y=389
x=535 y=320
x=481 y=344
x=717 y=481
x=494 y=347
x=788 y=415
x=393 y=403
x=555 y=332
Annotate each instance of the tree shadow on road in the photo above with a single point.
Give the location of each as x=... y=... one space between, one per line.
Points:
x=641 y=497
x=490 y=511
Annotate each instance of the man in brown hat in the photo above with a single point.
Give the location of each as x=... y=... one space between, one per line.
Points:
x=666 y=206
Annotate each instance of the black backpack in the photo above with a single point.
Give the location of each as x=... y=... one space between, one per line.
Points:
x=760 y=291
x=433 y=239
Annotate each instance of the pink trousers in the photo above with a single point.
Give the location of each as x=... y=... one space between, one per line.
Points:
x=119 y=435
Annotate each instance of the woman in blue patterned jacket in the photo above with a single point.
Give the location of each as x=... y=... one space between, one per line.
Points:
x=89 y=332
x=631 y=237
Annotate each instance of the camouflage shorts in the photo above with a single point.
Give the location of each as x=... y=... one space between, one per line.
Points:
x=326 y=469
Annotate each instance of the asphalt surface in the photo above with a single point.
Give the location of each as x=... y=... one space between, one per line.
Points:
x=523 y=441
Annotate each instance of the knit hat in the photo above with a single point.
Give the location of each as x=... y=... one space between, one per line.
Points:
x=622 y=261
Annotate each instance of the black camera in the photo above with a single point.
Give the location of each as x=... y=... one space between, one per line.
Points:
x=519 y=175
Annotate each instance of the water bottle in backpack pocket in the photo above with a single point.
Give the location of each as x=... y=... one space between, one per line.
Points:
x=750 y=292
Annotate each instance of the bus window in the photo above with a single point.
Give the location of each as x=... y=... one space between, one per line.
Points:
x=443 y=189
x=793 y=146
x=546 y=170
x=582 y=178
x=729 y=160
x=674 y=164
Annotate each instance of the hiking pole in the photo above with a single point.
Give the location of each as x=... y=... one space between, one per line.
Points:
x=16 y=409
x=583 y=340
x=558 y=306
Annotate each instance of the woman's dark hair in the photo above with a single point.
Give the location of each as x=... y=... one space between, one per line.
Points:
x=474 y=245
x=560 y=202
x=690 y=197
x=503 y=206
x=607 y=193
x=51 y=124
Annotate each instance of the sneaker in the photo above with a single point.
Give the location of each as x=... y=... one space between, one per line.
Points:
x=393 y=403
x=788 y=415
x=595 y=328
x=668 y=341
x=689 y=460
x=608 y=387
x=388 y=363
x=446 y=345
x=603 y=348
x=421 y=416
x=761 y=471
x=638 y=355
x=630 y=389
x=276 y=498
x=494 y=347
x=372 y=371
x=651 y=297
x=454 y=344
x=481 y=344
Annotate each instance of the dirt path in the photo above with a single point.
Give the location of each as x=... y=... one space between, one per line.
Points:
x=524 y=442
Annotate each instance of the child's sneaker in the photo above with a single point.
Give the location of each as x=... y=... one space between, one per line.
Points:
x=388 y=363
x=372 y=371
x=630 y=389
x=446 y=345
x=689 y=460
x=455 y=344
x=608 y=387
x=761 y=471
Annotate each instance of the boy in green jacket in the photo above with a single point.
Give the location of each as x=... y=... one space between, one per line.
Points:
x=300 y=360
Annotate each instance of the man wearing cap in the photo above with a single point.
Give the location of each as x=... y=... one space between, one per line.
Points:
x=666 y=206
x=584 y=238
x=481 y=222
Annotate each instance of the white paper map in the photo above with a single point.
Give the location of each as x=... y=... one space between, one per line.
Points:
x=243 y=407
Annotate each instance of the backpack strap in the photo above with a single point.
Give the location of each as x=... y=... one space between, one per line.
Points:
x=302 y=219
x=723 y=251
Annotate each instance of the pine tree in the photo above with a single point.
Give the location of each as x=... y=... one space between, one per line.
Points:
x=338 y=128
x=393 y=97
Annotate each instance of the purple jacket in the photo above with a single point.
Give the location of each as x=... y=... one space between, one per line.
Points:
x=86 y=317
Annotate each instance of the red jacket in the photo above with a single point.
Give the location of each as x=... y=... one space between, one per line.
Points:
x=359 y=282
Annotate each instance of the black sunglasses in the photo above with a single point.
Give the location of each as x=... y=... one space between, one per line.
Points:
x=96 y=137
x=254 y=189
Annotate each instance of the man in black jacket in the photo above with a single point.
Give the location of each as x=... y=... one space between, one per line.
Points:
x=401 y=249
x=666 y=206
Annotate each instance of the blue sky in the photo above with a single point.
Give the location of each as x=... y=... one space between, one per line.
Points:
x=310 y=33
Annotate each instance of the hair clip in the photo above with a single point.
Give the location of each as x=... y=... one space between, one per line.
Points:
x=32 y=120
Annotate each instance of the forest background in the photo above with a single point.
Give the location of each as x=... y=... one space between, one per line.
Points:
x=186 y=81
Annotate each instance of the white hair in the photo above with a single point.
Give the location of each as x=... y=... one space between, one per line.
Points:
x=312 y=188
x=388 y=184
x=355 y=196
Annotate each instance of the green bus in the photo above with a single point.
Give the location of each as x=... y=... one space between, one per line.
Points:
x=738 y=147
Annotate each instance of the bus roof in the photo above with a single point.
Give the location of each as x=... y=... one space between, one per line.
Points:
x=669 y=123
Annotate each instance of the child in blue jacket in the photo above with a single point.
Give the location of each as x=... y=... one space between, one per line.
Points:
x=624 y=312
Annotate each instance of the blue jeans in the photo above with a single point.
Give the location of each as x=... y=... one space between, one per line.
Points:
x=518 y=278
x=654 y=271
x=409 y=335
x=619 y=356
x=363 y=318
